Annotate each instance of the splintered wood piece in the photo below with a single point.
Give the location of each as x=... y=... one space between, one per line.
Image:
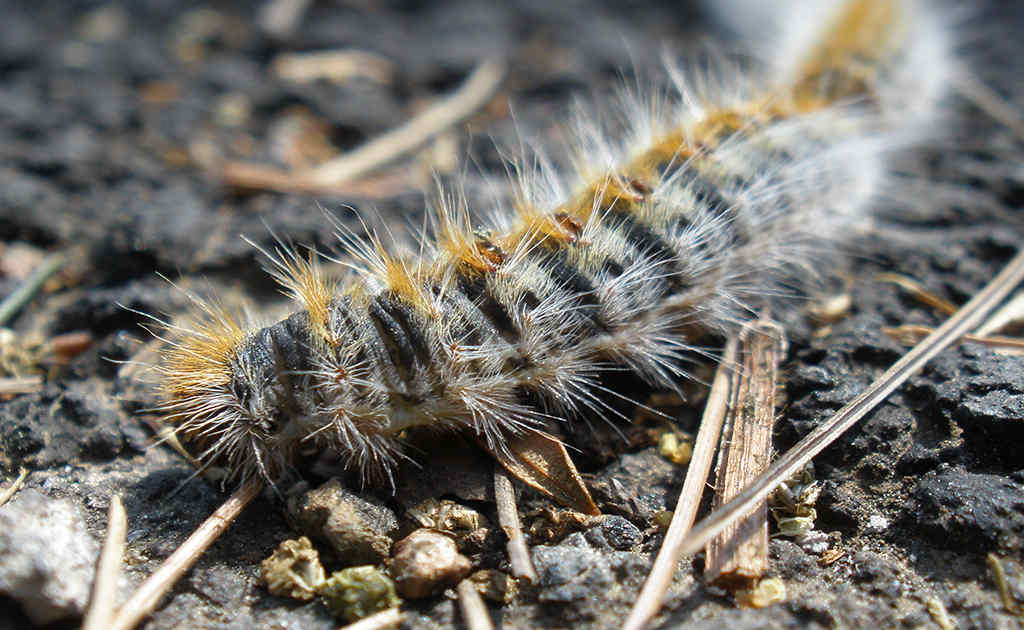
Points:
x=540 y=461
x=738 y=556
x=704 y=446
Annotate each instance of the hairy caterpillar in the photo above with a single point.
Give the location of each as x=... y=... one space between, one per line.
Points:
x=707 y=200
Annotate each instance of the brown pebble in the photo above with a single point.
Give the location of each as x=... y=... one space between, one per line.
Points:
x=426 y=562
x=360 y=531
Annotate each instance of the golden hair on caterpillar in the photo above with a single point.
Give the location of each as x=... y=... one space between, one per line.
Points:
x=668 y=228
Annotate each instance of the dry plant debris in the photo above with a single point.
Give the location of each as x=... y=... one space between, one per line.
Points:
x=738 y=556
x=293 y=570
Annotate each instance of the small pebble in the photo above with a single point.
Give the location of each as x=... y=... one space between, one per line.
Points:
x=360 y=531
x=675 y=449
x=614 y=532
x=47 y=557
x=766 y=592
x=876 y=524
x=358 y=592
x=426 y=562
x=815 y=542
x=293 y=570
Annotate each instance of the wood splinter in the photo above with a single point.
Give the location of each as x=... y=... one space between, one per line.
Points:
x=738 y=556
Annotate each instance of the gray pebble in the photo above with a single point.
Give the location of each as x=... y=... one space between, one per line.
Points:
x=582 y=582
x=614 y=532
x=47 y=557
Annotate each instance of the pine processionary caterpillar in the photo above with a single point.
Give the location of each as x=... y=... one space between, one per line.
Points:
x=709 y=198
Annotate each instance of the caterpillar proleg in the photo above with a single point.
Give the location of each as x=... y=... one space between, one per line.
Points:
x=668 y=228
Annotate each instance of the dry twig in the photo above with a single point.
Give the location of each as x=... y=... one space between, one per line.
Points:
x=14 y=487
x=108 y=569
x=471 y=95
x=910 y=334
x=474 y=610
x=508 y=519
x=1009 y=315
x=999 y=575
x=988 y=100
x=166 y=434
x=262 y=177
x=383 y=620
x=11 y=385
x=335 y=176
x=939 y=614
x=919 y=292
x=679 y=542
x=337 y=66
x=649 y=601
x=146 y=598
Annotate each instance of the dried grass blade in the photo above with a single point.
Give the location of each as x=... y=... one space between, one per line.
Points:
x=145 y=599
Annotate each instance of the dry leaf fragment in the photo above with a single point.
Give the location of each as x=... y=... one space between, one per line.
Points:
x=540 y=461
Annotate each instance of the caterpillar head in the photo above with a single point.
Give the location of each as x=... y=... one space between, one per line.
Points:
x=229 y=392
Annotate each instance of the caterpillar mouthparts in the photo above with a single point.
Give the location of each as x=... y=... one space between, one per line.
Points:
x=672 y=228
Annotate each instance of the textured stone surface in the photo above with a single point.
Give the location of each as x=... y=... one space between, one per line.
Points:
x=963 y=509
x=614 y=532
x=581 y=583
x=47 y=557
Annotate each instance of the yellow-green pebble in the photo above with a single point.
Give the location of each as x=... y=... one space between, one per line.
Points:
x=357 y=592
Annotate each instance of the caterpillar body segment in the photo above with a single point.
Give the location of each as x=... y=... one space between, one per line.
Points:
x=714 y=198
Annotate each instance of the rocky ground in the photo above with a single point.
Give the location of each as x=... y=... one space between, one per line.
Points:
x=113 y=118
